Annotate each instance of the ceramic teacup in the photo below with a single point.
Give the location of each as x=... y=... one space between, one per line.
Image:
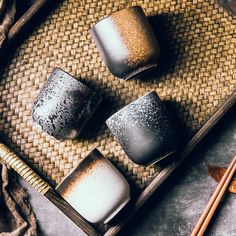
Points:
x=64 y=105
x=145 y=130
x=126 y=43
x=95 y=188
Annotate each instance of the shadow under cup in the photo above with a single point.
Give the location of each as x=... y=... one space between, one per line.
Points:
x=126 y=43
x=145 y=130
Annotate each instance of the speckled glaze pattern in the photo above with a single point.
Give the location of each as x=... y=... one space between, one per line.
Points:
x=64 y=105
x=126 y=43
x=95 y=188
x=144 y=129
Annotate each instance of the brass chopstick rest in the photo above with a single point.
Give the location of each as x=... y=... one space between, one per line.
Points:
x=144 y=129
x=64 y=105
x=126 y=42
x=95 y=188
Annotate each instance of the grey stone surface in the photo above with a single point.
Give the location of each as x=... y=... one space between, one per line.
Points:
x=52 y=222
x=176 y=207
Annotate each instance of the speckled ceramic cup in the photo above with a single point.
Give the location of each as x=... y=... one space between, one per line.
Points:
x=95 y=189
x=126 y=43
x=64 y=105
x=145 y=130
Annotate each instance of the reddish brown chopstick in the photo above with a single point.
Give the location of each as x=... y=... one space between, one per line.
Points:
x=215 y=200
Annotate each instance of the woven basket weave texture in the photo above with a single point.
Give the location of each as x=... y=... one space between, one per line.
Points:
x=196 y=72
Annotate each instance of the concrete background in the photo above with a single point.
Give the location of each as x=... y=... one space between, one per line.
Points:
x=176 y=207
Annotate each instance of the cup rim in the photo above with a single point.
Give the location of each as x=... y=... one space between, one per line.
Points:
x=95 y=153
x=140 y=71
x=125 y=107
x=114 y=13
x=70 y=76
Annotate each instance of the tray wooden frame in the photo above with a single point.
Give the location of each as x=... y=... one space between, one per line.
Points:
x=136 y=203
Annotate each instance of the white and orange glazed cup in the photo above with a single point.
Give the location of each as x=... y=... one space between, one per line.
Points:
x=95 y=189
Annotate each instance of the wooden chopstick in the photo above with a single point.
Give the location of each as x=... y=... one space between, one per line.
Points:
x=215 y=200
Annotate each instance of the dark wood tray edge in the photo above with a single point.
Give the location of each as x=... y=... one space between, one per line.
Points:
x=168 y=170
x=25 y=19
x=137 y=203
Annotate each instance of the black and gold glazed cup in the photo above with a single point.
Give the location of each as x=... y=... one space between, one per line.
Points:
x=126 y=43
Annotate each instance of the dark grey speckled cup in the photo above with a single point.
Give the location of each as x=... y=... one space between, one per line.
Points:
x=145 y=130
x=64 y=105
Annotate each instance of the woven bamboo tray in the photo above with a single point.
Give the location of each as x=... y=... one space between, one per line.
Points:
x=196 y=74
